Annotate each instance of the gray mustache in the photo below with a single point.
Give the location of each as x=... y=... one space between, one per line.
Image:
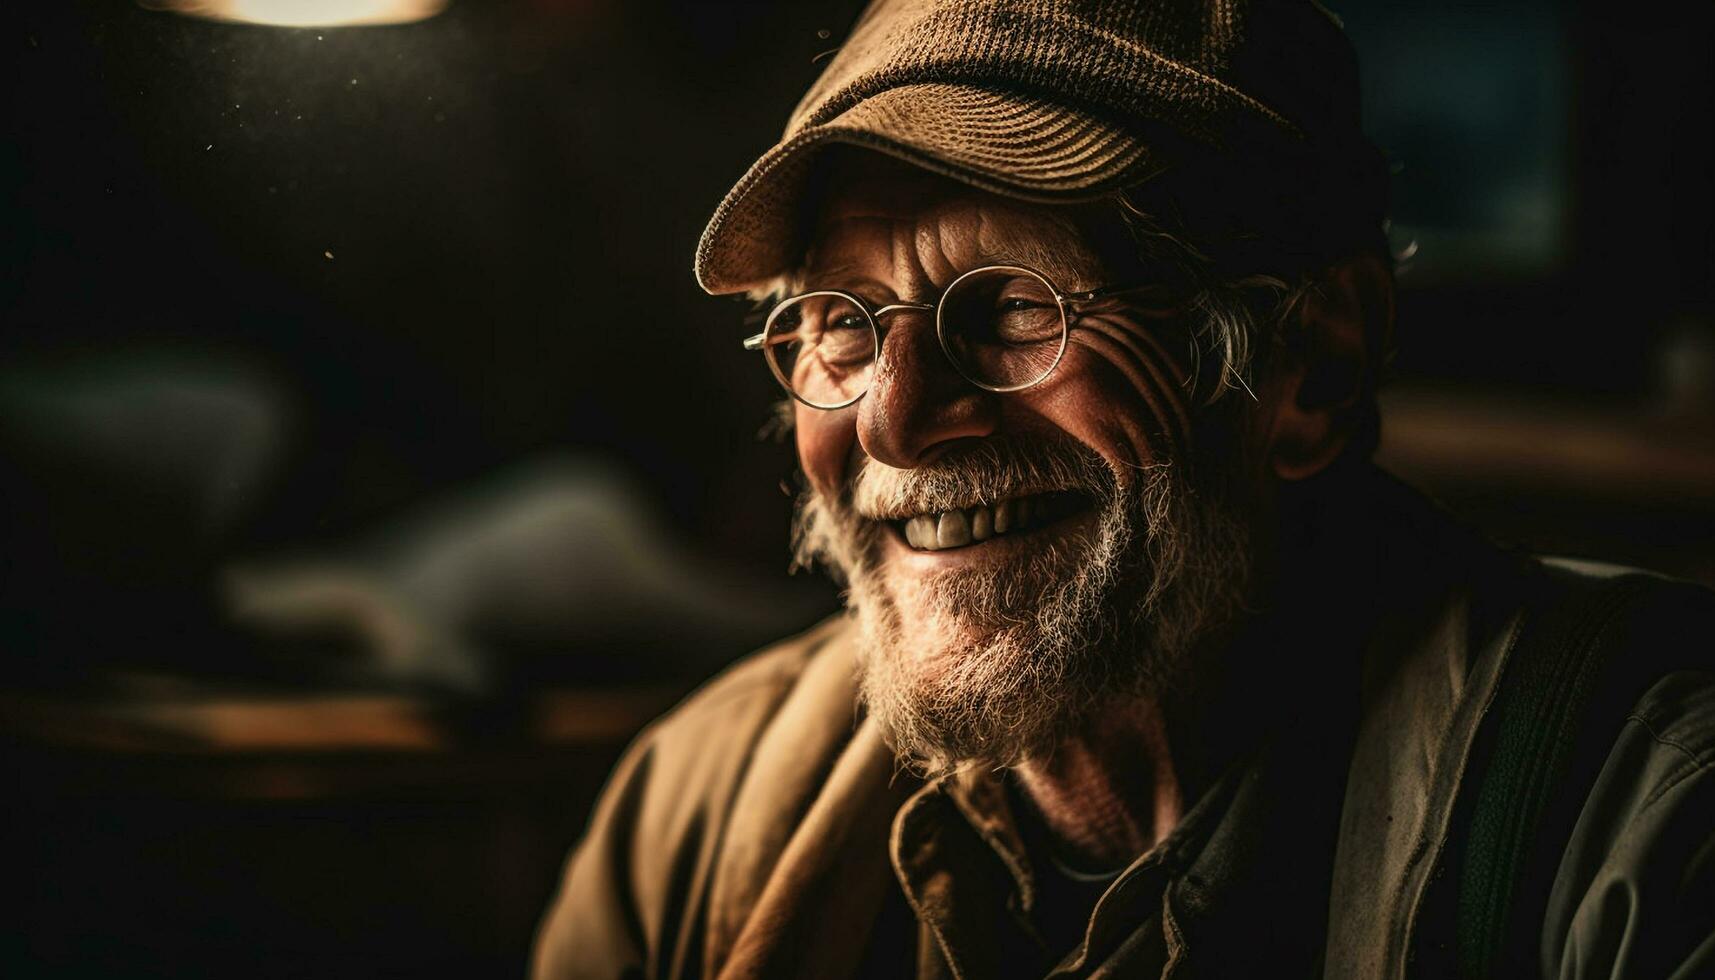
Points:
x=986 y=472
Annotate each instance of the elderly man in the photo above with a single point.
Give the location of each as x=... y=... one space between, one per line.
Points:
x=1146 y=670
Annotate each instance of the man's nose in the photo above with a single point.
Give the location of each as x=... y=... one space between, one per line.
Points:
x=918 y=405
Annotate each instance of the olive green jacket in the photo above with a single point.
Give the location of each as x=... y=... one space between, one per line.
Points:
x=762 y=828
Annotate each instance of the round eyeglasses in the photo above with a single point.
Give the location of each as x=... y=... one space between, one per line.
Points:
x=1003 y=327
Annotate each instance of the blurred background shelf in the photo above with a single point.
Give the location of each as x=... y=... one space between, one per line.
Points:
x=1626 y=485
x=279 y=836
x=143 y=725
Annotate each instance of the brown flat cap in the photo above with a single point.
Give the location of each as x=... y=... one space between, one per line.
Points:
x=1047 y=100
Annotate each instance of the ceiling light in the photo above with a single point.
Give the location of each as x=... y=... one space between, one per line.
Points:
x=304 y=13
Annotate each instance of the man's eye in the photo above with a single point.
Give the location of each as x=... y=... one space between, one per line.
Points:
x=849 y=321
x=1022 y=320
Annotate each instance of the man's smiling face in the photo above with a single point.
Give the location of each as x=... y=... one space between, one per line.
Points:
x=1014 y=559
x=897 y=234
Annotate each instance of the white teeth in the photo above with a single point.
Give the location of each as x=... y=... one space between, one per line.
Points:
x=920 y=532
x=957 y=528
x=953 y=530
x=982 y=523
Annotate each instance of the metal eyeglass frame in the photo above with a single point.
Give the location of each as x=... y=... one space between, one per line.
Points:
x=1066 y=302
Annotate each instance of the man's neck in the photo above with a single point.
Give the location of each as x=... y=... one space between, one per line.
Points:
x=1109 y=795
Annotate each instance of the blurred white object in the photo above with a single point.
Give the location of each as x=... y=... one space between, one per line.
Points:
x=562 y=552
x=198 y=439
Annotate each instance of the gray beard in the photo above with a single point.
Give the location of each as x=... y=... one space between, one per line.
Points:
x=998 y=666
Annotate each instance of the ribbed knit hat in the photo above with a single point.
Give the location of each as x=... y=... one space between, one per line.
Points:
x=1058 y=101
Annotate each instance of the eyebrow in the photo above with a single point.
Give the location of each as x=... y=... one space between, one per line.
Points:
x=1069 y=263
x=841 y=275
x=1071 y=266
x=1067 y=276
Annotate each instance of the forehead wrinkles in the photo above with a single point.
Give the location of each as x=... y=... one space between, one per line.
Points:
x=867 y=246
x=913 y=264
x=920 y=240
x=1045 y=240
x=958 y=235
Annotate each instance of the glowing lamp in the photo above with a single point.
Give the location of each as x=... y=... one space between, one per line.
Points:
x=304 y=13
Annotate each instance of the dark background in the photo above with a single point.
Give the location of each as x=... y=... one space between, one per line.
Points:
x=373 y=467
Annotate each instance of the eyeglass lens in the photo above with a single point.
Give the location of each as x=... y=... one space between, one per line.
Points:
x=1003 y=328
x=822 y=348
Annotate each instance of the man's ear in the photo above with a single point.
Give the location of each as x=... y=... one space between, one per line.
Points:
x=1328 y=366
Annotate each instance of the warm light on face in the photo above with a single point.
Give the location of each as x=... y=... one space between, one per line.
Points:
x=304 y=13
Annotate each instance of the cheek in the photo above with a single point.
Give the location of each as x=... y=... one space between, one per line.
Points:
x=1115 y=387
x=825 y=441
